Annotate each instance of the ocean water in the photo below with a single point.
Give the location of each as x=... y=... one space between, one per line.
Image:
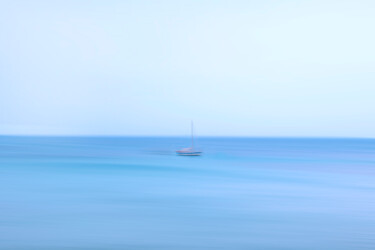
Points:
x=135 y=193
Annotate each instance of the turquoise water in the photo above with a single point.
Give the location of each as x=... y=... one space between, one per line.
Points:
x=135 y=193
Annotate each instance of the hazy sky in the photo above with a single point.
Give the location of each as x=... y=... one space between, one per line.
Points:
x=252 y=68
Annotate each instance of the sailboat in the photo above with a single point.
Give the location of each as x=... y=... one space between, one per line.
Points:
x=189 y=151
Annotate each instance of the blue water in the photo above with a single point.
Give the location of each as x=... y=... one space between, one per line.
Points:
x=135 y=193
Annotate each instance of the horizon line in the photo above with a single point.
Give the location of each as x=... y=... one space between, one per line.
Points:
x=184 y=136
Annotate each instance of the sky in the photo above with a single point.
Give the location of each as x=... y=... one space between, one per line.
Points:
x=237 y=68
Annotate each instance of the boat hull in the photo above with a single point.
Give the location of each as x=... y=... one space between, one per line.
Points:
x=181 y=153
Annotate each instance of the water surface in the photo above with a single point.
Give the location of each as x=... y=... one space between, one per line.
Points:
x=135 y=193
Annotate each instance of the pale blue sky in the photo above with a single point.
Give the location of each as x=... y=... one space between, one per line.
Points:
x=237 y=68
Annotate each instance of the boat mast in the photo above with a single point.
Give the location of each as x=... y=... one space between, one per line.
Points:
x=192 y=135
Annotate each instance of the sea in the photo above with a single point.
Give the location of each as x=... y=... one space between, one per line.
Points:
x=91 y=193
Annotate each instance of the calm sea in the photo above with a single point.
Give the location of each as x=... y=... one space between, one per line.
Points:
x=135 y=193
